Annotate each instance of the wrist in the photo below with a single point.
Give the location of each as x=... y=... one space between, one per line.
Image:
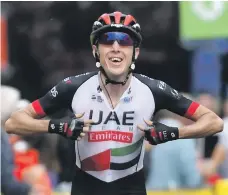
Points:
x=57 y=126
x=181 y=133
x=173 y=134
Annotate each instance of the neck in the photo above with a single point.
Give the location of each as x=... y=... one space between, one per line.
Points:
x=115 y=90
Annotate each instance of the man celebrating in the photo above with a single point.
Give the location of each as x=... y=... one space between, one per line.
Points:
x=116 y=107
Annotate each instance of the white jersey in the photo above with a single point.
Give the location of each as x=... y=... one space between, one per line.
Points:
x=114 y=147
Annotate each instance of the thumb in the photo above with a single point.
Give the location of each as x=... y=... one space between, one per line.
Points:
x=80 y=115
x=148 y=122
x=141 y=128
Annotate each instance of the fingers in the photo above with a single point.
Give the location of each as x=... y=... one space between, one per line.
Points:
x=88 y=122
x=79 y=115
x=140 y=127
x=148 y=122
x=81 y=136
x=86 y=129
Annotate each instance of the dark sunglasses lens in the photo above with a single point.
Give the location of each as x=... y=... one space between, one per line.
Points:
x=122 y=38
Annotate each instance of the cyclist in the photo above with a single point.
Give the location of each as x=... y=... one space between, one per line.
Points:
x=112 y=110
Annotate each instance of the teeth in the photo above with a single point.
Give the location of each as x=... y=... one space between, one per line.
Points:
x=116 y=59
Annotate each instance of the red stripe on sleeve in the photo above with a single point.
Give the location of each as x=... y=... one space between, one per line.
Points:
x=38 y=108
x=192 y=108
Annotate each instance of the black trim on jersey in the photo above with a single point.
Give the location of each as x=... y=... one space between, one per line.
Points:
x=126 y=165
x=165 y=97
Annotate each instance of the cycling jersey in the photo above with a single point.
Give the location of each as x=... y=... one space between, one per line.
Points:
x=114 y=147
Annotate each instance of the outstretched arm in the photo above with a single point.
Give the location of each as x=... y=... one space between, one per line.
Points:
x=25 y=122
x=206 y=123
x=165 y=97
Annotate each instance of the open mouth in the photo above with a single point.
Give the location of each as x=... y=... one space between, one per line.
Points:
x=116 y=59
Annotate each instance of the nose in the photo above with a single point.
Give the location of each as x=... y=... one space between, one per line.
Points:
x=115 y=46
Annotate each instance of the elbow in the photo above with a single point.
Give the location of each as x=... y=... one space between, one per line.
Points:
x=10 y=124
x=218 y=124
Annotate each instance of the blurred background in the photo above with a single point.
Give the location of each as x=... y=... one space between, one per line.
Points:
x=184 y=44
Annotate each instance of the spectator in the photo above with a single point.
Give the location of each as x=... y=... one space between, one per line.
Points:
x=206 y=145
x=10 y=101
x=173 y=165
x=218 y=163
x=209 y=101
x=10 y=185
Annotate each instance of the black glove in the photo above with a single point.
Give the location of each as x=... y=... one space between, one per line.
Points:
x=71 y=128
x=159 y=133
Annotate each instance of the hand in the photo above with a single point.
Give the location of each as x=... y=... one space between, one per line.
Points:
x=73 y=128
x=157 y=133
x=86 y=128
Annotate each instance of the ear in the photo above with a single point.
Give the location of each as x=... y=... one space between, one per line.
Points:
x=137 y=51
x=95 y=49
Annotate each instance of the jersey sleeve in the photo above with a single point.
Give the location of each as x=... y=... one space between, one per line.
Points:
x=59 y=97
x=166 y=97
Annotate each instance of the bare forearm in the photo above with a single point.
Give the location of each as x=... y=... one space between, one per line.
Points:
x=208 y=124
x=21 y=123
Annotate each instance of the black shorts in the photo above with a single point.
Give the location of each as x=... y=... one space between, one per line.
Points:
x=85 y=184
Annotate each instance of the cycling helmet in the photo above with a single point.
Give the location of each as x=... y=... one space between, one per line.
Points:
x=116 y=21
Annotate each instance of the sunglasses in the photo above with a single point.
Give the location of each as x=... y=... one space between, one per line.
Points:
x=110 y=37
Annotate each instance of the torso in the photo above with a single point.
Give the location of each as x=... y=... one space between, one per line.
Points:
x=114 y=146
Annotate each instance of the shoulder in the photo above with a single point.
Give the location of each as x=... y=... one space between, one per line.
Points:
x=74 y=82
x=165 y=97
x=145 y=79
x=66 y=88
x=154 y=84
x=79 y=79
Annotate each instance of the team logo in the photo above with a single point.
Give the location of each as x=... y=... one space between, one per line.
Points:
x=99 y=89
x=52 y=126
x=127 y=99
x=118 y=136
x=99 y=99
x=129 y=91
x=84 y=74
x=61 y=127
x=117 y=25
x=173 y=135
x=146 y=77
x=54 y=92
x=175 y=93
x=93 y=97
x=162 y=85
x=67 y=80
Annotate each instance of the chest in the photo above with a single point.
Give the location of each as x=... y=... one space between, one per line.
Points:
x=130 y=110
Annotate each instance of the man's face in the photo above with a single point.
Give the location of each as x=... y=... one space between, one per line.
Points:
x=115 y=56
